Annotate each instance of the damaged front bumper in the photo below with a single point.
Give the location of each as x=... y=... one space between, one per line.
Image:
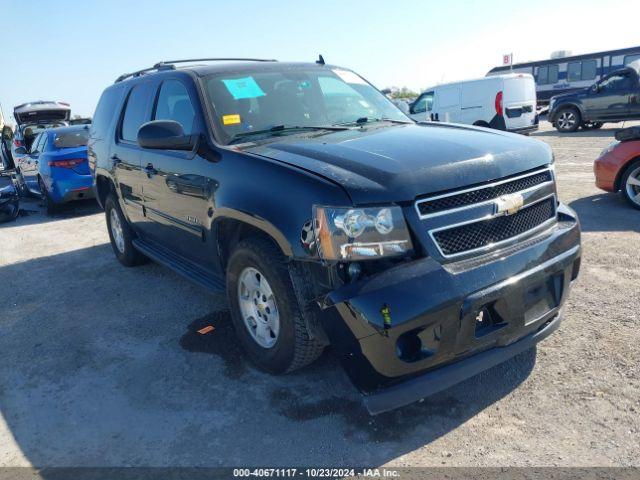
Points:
x=424 y=326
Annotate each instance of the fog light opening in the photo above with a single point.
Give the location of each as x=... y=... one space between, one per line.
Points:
x=418 y=344
x=487 y=321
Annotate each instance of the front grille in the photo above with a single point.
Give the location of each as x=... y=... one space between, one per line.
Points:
x=483 y=194
x=472 y=236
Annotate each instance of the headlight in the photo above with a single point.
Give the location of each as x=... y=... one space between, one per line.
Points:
x=360 y=233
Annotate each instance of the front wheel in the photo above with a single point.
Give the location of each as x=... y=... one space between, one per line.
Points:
x=265 y=312
x=567 y=120
x=631 y=184
x=121 y=235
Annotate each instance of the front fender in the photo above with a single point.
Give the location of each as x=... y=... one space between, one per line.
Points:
x=272 y=196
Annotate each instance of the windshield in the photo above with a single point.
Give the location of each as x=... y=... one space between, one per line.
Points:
x=295 y=97
x=71 y=139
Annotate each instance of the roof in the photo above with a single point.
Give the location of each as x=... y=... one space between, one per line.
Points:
x=203 y=67
x=583 y=56
x=480 y=79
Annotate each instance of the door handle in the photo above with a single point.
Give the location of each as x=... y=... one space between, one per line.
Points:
x=149 y=170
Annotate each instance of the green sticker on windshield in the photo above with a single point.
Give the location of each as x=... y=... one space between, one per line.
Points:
x=245 y=87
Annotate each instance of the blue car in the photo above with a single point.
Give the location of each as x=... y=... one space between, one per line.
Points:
x=56 y=167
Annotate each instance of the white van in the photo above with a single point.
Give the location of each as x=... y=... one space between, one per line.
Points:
x=506 y=102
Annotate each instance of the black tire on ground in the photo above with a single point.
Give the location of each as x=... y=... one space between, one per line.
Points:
x=23 y=191
x=567 y=120
x=128 y=255
x=293 y=348
x=481 y=123
x=49 y=205
x=631 y=191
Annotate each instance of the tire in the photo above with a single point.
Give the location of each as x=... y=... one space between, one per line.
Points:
x=121 y=235
x=481 y=123
x=567 y=120
x=49 y=205
x=630 y=184
x=21 y=186
x=257 y=266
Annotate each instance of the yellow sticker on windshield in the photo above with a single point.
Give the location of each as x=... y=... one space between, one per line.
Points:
x=231 y=119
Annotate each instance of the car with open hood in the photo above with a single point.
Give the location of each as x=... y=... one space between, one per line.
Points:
x=423 y=253
x=32 y=118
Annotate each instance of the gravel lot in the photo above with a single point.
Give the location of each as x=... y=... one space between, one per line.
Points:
x=102 y=366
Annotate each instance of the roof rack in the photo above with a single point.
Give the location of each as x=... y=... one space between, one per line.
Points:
x=170 y=65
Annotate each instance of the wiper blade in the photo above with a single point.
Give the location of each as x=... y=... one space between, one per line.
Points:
x=285 y=128
x=363 y=120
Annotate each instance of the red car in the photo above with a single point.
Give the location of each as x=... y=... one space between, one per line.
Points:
x=618 y=166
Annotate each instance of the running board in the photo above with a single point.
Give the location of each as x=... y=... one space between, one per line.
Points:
x=184 y=267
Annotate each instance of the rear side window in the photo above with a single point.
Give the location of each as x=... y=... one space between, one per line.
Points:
x=136 y=112
x=175 y=104
x=37 y=141
x=73 y=139
x=105 y=111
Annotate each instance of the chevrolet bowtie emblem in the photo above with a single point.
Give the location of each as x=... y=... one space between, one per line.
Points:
x=509 y=204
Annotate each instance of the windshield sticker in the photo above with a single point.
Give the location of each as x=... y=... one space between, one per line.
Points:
x=245 y=87
x=349 y=77
x=231 y=119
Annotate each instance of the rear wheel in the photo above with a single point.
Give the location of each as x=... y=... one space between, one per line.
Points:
x=49 y=205
x=568 y=120
x=266 y=316
x=631 y=184
x=121 y=235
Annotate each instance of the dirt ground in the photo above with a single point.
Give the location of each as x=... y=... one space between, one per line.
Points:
x=102 y=366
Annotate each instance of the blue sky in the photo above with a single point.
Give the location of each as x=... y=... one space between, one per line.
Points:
x=70 y=50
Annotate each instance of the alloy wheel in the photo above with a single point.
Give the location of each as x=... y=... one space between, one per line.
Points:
x=633 y=186
x=567 y=120
x=116 y=230
x=258 y=307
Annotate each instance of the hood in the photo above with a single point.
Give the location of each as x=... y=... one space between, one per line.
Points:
x=580 y=92
x=42 y=111
x=401 y=162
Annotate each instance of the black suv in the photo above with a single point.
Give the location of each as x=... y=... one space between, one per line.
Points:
x=423 y=253
x=615 y=98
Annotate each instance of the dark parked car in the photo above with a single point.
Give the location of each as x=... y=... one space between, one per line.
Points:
x=423 y=253
x=615 y=98
x=9 y=200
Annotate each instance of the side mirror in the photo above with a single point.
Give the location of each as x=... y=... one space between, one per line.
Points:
x=20 y=151
x=165 y=135
x=7 y=133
